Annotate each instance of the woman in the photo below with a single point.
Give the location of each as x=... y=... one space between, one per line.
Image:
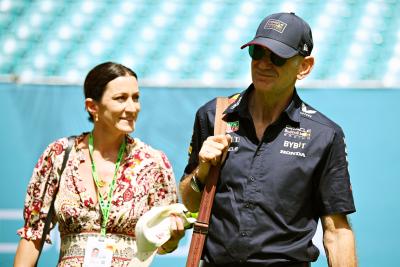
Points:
x=105 y=164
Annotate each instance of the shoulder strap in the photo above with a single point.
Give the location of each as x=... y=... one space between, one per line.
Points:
x=46 y=228
x=200 y=228
x=219 y=124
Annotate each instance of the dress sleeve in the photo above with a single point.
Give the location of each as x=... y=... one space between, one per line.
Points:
x=164 y=190
x=41 y=190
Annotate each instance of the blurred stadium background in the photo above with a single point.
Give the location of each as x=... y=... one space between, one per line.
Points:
x=186 y=52
x=186 y=42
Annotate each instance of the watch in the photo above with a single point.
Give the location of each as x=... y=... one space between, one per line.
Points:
x=195 y=184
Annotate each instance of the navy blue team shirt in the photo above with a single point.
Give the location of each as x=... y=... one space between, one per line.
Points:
x=271 y=193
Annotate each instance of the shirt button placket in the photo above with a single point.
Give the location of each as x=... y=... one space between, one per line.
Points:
x=249 y=205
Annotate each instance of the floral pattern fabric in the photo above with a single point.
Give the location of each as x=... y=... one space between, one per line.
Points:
x=144 y=179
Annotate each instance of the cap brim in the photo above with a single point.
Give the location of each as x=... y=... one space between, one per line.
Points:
x=276 y=47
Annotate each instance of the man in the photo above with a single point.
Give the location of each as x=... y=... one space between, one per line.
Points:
x=286 y=166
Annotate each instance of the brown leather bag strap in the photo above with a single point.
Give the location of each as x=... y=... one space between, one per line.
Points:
x=200 y=228
x=219 y=123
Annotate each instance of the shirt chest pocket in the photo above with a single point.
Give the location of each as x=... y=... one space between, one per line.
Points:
x=287 y=184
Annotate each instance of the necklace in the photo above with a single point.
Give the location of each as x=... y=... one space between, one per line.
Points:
x=101 y=183
x=105 y=204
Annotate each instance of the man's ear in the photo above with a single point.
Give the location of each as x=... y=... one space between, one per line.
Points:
x=305 y=67
x=91 y=106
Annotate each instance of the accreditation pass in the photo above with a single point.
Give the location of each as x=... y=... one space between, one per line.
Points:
x=99 y=251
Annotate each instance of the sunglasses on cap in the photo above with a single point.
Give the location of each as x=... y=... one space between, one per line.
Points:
x=257 y=52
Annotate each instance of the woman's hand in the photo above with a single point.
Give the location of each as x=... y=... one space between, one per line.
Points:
x=177 y=232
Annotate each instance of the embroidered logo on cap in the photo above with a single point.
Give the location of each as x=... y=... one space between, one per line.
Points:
x=275 y=25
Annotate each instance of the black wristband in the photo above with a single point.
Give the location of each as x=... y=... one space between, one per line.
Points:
x=195 y=184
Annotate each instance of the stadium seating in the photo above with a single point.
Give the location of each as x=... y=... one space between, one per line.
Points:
x=189 y=40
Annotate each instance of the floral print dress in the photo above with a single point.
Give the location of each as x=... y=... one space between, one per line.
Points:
x=144 y=179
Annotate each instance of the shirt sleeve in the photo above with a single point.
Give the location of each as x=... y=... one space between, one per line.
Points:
x=41 y=190
x=164 y=190
x=200 y=133
x=335 y=193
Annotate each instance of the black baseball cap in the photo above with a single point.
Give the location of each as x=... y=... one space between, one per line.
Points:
x=285 y=34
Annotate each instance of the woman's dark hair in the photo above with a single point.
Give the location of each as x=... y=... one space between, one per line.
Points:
x=98 y=78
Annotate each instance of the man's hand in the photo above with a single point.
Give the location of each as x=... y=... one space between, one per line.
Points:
x=211 y=153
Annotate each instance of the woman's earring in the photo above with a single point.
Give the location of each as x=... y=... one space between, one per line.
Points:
x=96 y=117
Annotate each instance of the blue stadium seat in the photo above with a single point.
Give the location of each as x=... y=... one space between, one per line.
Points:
x=189 y=40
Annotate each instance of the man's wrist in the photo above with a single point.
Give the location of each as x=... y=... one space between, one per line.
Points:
x=195 y=183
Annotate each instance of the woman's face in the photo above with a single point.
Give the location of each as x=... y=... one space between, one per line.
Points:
x=119 y=105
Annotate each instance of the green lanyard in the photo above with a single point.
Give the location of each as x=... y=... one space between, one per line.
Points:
x=105 y=206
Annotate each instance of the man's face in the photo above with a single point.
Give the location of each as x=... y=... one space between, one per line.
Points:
x=268 y=77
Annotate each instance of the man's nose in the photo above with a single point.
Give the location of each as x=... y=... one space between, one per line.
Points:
x=265 y=61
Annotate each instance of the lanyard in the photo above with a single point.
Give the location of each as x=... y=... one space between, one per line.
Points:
x=105 y=206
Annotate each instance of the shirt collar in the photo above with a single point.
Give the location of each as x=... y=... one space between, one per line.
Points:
x=293 y=109
x=241 y=101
